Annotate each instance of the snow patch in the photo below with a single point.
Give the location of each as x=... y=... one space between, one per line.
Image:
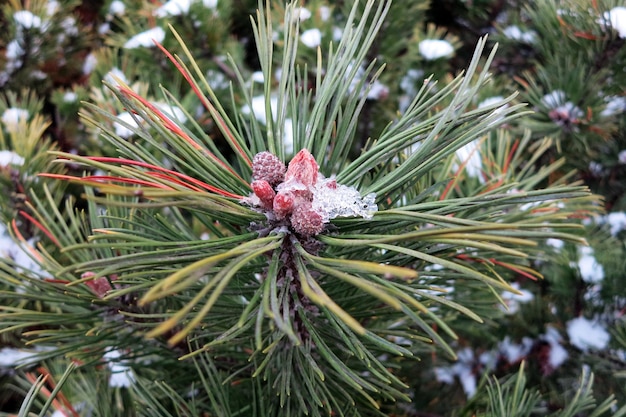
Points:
x=257 y=109
x=324 y=12
x=590 y=270
x=554 y=99
x=69 y=97
x=513 y=300
x=13 y=116
x=617 y=17
x=173 y=8
x=515 y=33
x=557 y=244
x=146 y=39
x=52 y=7
x=10 y=158
x=90 y=63
x=117 y=8
x=432 y=49
x=301 y=13
x=27 y=19
x=121 y=374
x=121 y=129
x=111 y=76
x=174 y=113
x=489 y=101
x=587 y=334
x=469 y=154
x=311 y=38
x=258 y=77
x=557 y=354
x=513 y=352
x=614 y=105
x=14 y=50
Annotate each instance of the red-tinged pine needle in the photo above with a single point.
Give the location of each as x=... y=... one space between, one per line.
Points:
x=206 y=103
x=544 y=210
x=493 y=186
x=494 y=261
x=61 y=177
x=21 y=238
x=108 y=178
x=185 y=177
x=45 y=391
x=509 y=157
x=465 y=257
x=60 y=394
x=581 y=214
x=456 y=177
x=170 y=125
x=98 y=180
x=174 y=180
x=39 y=226
x=122 y=161
x=522 y=82
x=57 y=281
x=448 y=188
x=514 y=269
x=585 y=35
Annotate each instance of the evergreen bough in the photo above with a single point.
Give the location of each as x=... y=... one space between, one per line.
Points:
x=183 y=269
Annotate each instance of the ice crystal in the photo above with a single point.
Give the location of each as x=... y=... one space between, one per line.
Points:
x=333 y=200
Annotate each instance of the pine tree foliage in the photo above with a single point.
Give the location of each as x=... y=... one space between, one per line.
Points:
x=317 y=254
x=513 y=399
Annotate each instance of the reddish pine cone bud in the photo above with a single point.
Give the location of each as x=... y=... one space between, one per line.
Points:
x=265 y=192
x=100 y=286
x=303 y=168
x=306 y=221
x=283 y=204
x=267 y=167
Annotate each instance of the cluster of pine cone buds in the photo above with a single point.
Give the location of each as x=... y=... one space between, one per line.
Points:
x=287 y=193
